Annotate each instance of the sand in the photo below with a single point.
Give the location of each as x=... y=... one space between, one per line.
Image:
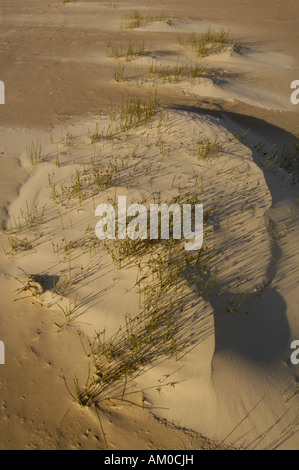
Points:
x=223 y=371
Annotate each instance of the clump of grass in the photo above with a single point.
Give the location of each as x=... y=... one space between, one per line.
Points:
x=164 y=73
x=96 y=136
x=111 y=5
x=165 y=270
x=202 y=148
x=135 y=50
x=17 y=245
x=211 y=42
x=28 y=219
x=103 y=176
x=100 y=174
x=68 y=192
x=135 y=20
x=239 y=47
x=69 y=309
x=135 y=111
x=34 y=153
x=132 y=21
x=85 y=398
x=176 y=74
x=119 y=73
x=130 y=52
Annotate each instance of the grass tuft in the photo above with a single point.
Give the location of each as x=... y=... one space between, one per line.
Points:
x=34 y=153
x=211 y=42
x=129 y=53
x=135 y=20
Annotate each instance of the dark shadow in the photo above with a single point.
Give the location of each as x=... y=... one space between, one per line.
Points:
x=259 y=129
x=259 y=330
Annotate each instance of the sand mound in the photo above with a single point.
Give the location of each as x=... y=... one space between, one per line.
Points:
x=235 y=310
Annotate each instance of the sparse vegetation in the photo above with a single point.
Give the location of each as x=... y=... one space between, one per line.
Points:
x=135 y=20
x=211 y=42
x=136 y=111
x=176 y=74
x=34 y=153
x=28 y=219
x=129 y=53
x=119 y=73
x=239 y=47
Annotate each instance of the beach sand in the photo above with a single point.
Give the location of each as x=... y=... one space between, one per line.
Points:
x=212 y=370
